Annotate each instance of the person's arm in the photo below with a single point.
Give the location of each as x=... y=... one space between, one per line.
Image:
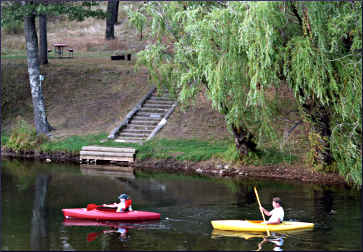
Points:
x=110 y=205
x=265 y=211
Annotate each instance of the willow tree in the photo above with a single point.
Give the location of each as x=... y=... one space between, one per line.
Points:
x=236 y=51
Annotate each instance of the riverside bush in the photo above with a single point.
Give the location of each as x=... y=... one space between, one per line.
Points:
x=24 y=137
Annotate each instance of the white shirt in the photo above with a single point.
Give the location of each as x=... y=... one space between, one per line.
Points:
x=277 y=213
x=121 y=205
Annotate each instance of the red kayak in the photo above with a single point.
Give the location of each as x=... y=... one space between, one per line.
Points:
x=104 y=213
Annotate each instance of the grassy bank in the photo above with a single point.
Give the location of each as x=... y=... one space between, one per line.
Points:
x=24 y=139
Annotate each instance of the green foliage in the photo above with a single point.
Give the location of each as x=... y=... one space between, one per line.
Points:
x=136 y=19
x=231 y=154
x=13 y=27
x=23 y=138
x=14 y=12
x=236 y=52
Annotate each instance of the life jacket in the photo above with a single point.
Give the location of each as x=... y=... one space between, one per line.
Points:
x=124 y=206
x=128 y=204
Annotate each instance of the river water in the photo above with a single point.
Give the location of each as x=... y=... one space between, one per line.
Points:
x=34 y=193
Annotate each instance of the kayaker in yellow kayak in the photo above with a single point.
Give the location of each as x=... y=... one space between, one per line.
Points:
x=124 y=205
x=277 y=213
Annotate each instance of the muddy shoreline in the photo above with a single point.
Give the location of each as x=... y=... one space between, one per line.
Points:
x=210 y=168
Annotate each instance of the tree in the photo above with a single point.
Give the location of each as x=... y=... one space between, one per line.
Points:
x=116 y=12
x=40 y=118
x=43 y=39
x=237 y=53
x=12 y=12
x=201 y=60
x=112 y=11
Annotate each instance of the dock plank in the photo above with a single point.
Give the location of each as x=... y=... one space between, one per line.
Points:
x=108 y=149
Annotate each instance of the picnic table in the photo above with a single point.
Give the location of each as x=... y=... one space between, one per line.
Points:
x=59 y=49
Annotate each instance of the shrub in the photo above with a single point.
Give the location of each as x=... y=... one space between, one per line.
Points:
x=24 y=137
x=16 y=27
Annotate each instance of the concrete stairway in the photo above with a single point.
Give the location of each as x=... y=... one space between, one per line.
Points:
x=146 y=119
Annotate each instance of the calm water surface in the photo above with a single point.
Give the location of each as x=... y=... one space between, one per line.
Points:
x=33 y=195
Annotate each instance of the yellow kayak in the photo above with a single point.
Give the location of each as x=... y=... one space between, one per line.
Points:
x=257 y=226
x=251 y=234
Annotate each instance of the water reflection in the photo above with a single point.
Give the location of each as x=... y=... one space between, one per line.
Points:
x=277 y=239
x=112 y=171
x=39 y=227
x=113 y=227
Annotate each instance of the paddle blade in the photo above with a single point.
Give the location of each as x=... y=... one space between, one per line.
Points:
x=92 y=236
x=91 y=206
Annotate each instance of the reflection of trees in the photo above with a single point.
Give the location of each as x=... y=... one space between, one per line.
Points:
x=39 y=229
x=24 y=177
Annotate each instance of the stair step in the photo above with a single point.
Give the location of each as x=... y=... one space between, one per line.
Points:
x=133 y=130
x=131 y=138
x=152 y=110
x=150 y=114
x=144 y=122
x=119 y=140
x=155 y=101
x=161 y=98
x=140 y=126
x=127 y=134
x=156 y=105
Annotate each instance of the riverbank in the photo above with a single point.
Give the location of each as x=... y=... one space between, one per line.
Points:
x=211 y=168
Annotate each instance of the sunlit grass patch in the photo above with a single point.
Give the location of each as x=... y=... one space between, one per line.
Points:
x=73 y=143
x=181 y=149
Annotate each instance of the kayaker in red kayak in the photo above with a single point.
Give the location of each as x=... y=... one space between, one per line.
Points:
x=124 y=205
x=277 y=213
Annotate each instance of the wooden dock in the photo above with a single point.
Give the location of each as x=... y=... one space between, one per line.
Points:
x=91 y=154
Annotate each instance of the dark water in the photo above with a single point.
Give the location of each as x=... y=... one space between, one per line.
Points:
x=33 y=195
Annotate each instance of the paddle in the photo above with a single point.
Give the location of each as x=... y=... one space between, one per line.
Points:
x=259 y=203
x=92 y=206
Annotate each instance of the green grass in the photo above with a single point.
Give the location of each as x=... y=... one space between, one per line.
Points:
x=72 y=143
x=180 y=149
x=193 y=150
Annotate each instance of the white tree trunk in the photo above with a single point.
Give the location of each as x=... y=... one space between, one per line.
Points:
x=40 y=119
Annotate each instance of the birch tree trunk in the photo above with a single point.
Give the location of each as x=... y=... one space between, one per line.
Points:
x=43 y=39
x=40 y=119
